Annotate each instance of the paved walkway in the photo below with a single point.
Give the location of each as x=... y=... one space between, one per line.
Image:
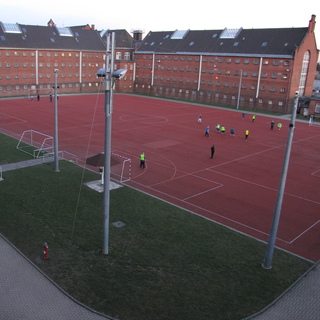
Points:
x=300 y=302
x=24 y=164
x=27 y=293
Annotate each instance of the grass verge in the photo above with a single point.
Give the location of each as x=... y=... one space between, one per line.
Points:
x=165 y=263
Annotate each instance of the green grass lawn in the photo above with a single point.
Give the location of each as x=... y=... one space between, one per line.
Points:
x=165 y=263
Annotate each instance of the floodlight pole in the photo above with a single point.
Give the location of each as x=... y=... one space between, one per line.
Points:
x=276 y=217
x=55 y=139
x=239 y=90
x=107 y=139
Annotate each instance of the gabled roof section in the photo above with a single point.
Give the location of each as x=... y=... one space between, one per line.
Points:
x=51 y=37
x=122 y=38
x=255 y=42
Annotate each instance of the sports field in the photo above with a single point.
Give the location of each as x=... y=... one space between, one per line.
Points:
x=237 y=188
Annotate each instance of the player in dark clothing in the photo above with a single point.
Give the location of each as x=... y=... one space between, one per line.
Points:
x=212 y=151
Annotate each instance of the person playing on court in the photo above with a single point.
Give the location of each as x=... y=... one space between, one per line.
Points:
x=218 y=128
x=212 y=151
x=142 y=160
x=246 y=134
x=223 y=129
x=207 y=132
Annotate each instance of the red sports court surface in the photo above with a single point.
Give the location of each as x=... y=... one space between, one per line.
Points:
x=237 y=188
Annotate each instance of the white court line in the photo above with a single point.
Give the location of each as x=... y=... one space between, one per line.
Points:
x=263 y=186
x=9 y=116
x=315 y=173
x=203 y=192
x=206 y=210
x=301 y=234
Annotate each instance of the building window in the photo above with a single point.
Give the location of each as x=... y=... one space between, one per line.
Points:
x=118 y=55
x=127 y=55
x=304 y=72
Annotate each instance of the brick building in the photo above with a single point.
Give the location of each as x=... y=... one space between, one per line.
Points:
x=29 y=54
x=251 y=68
x=245 y=68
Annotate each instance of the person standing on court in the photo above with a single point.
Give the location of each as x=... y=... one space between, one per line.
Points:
x=223 y=129
x=253 y=117
x=272 y=125
x=142 y=160
x=199 y=118
x=218 y=128
x=212 y=151
x=207 y=132
x=232 y=132
x=279 y=125
x=246 y=134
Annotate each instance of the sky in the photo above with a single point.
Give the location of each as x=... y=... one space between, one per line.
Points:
x=164 y=15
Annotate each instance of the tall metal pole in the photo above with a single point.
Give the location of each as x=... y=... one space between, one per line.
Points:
x=55 y=139
x=276 y=217
x=107 y=140
x=239 y=90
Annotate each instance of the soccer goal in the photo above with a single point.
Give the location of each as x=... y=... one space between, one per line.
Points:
x=34 y=92
x=35 y=143
x=122 y=169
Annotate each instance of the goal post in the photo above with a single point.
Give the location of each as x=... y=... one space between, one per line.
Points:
x=35 y=143
x=122 y=170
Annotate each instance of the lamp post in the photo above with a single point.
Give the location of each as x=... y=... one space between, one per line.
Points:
x=110 y=76
x=276 y=217
x=239 y=90
x=55 y=139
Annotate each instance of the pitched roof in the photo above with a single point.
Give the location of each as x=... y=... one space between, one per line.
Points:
x=249 y=42
x=49 y=37
x=123 y=38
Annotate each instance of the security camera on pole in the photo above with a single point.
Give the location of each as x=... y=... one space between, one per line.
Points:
x=110 y=77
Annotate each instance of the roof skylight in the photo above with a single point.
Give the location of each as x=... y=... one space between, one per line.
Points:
x=230 y=33
x=64 y=31
x=11 y=27
x=179 y=34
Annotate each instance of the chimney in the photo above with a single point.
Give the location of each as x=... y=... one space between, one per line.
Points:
x=137 y=35
x=312 y=23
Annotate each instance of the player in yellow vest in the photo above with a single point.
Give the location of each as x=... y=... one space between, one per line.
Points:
x=142 y=160
x=247 y=132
